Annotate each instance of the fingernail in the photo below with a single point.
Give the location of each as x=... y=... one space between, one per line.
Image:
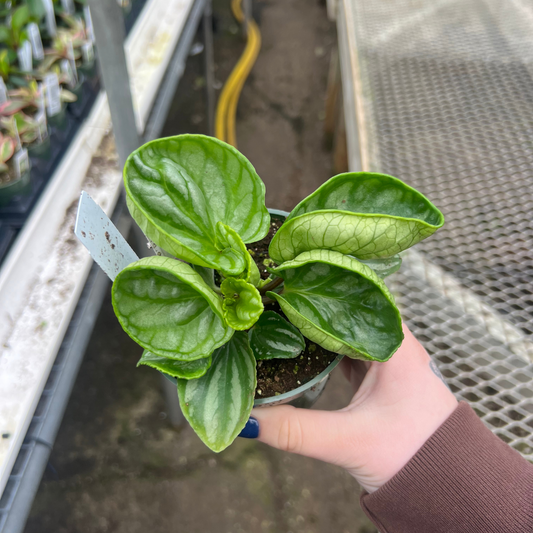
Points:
x=251 y=429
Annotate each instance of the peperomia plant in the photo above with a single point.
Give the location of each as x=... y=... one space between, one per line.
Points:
x=198 y=310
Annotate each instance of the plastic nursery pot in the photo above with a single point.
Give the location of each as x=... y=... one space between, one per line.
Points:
x=15 y=187
x=88 y=70
x=60 y=120
x=304 y=396
x=41 y=150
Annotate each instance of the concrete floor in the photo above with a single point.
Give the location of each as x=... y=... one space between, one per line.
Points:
x=118 y=465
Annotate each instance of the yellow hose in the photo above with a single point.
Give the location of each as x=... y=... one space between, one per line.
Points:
x=229 y=97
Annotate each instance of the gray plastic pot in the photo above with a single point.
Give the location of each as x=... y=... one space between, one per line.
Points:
x=305 y=395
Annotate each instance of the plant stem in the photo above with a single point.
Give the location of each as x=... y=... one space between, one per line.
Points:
x=271 y=286
x=267 y=300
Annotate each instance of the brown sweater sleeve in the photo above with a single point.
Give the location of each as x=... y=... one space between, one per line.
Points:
x=463 y=480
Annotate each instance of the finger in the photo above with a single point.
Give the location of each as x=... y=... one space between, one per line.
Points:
x=319 y=434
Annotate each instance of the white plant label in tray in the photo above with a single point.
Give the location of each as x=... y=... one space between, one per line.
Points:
x=68 y=6
x=87 y=52
x=89 y=28
x=52 y=93
x=36 y=42
x=3 y=91
x=21 y=162
x=69 y=72
x=25 y=57
x=41 y=120
x=51 y=25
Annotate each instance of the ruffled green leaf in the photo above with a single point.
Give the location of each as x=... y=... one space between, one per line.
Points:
x=177 y=369
x=180 y=187
x=341 y=304
x=218 y=405
x=166 y=307
x=227 y=238
x=242 y=303
x=272 y=337
x=385 y=266
x=363 y=214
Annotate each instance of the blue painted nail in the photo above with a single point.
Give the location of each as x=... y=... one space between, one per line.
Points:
x=251 y=429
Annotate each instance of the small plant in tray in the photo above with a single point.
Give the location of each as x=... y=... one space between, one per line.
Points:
x=236 y=289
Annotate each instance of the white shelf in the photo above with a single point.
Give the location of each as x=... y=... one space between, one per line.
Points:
x=43 y=275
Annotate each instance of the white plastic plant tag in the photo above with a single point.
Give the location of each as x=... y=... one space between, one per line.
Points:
x=21 y=162
x=51 y=26
x=36 y=42
x=66 y=69
x=68 y=6
x=87 y=52
x=88 y=23
x=42 y=132
x=72 y=60
x=25 y=57
x=3 y=91
x=40 y=89
x=52 y=94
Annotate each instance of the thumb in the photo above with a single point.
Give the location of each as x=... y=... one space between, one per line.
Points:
x=307 y=432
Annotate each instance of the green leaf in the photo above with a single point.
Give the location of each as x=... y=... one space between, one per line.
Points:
x=177 y=369
x=363 y=214
x=273 y=337
x=226 y=239
x=180 y=187
x=37 y=10
x=242 y=303
x=5 y=34
x=166 y=307
x=7 y=148
x=20 y=17
x=385 y=266
x=218 y=404
x=208 y=275
x=341 y=304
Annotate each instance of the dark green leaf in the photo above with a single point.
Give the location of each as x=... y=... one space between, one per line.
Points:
x=218 y=404
x=363 y=214
x=242 y=303
x=180 y=187
x=168 y=309
x=177 y=369
x=340 y=304
x=272 y=337
x=208 y=275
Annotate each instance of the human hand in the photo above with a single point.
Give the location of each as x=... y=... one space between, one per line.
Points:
x=397 y=406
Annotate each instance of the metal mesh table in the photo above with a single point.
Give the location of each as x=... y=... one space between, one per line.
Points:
x=443 y=93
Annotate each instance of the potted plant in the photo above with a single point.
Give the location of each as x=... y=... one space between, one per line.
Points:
x=13 y=181
x=241 y=296
x=31 y=131
x=30 y=96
